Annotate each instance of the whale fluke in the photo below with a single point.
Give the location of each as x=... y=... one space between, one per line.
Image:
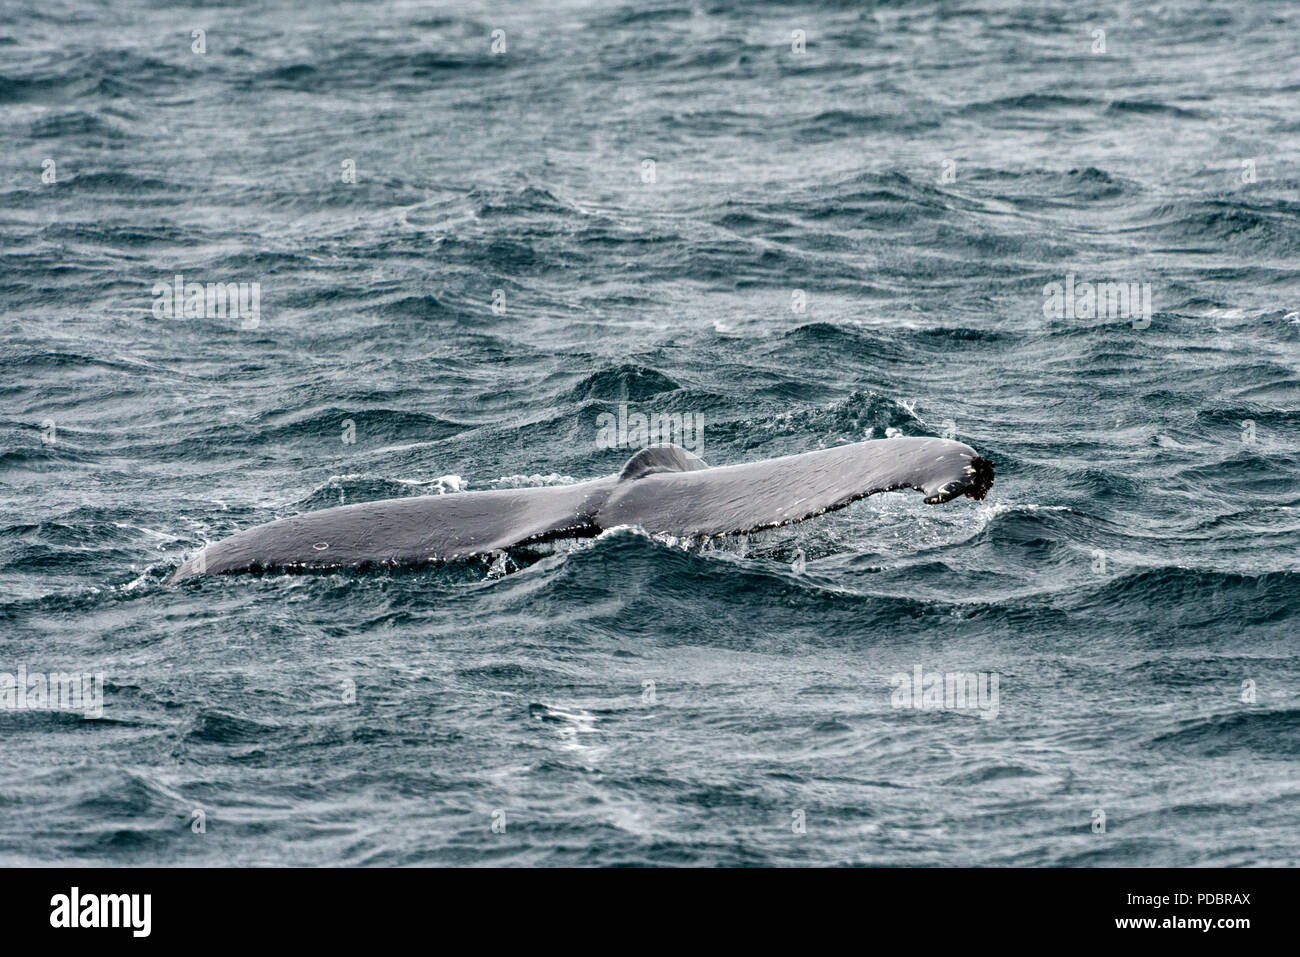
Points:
x=757 y=495
x=663 y=489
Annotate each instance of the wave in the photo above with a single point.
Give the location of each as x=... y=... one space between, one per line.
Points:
x=626 y=382
x=1255 y=731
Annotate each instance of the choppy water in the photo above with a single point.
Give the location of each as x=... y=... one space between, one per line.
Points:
x=1135 y=563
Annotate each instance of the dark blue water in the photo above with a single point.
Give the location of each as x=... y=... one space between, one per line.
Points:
x=829 y=245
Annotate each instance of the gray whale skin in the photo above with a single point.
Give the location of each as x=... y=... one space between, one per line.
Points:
x=663 y=489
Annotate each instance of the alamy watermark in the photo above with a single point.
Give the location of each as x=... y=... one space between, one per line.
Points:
x=179 y=299
x=946 y=691
x=638 y=430
x=56 y=691
x=75 y=909
x=1108 y=300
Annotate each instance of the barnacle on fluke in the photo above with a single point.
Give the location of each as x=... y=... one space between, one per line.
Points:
x=982 y=478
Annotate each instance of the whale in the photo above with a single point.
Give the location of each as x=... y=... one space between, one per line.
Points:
x=662 y=489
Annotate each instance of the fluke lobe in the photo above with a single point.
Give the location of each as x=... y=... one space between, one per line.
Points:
x=662 y=489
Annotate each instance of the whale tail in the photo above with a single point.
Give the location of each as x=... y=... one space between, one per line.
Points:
x=663 y=489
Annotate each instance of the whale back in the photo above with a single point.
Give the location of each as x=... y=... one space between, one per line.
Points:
x=660 y=458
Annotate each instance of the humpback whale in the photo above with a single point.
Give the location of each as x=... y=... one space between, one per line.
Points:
x=663 y=489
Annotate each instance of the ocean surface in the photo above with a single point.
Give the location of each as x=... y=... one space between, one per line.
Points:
x=468 y=245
